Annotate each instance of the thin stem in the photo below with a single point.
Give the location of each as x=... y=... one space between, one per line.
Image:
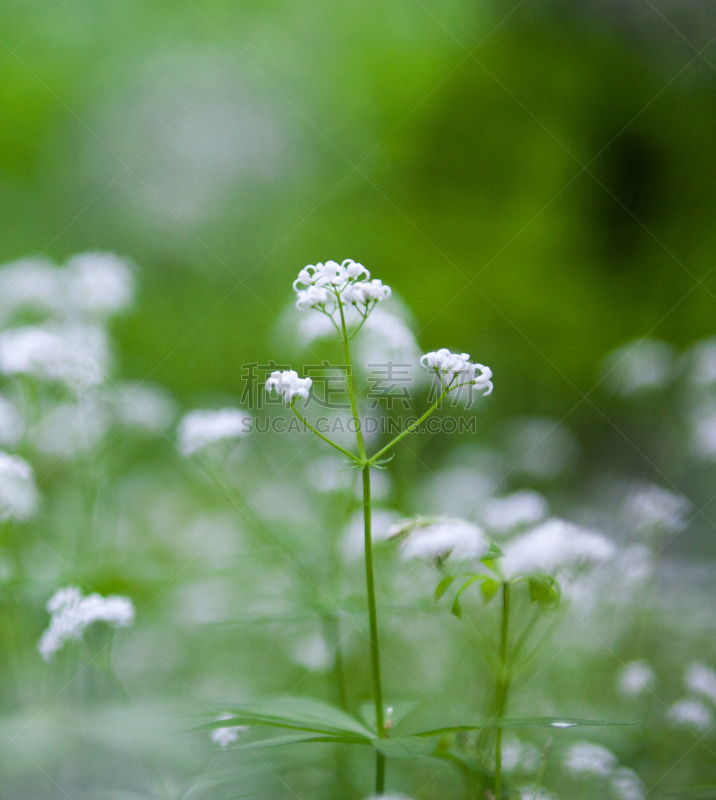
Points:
x=351 y=390
x=503 y=683
x=409 y=429
x=321 y=436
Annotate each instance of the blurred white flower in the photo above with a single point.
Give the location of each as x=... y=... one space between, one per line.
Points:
x=72 y=614
x=502 y=514
x=289 y=385
x=382 y=523
x=331 y=274
x=553 y=546
x=703 y=431
x=12 y=425
x=457 y=489
x=312 y=652
x=69 y=429
x=35 y=284
x=203 y=427
x=75 y=355
x=441 y=538
x=99 y=283
x=636 y=563
x=700 y=679
x=458 y=367
x=639 y=365
x=146 y=406
x=535 y=793
x=18 y=493
x=627 y=785
x=702 y=358
x=363 y=293
x=226 y=736
x=649 y=507
x=585 y=758
x=520 y=756
x=635 y=678
x=692 y=713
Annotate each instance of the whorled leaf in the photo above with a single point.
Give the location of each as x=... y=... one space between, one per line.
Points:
x=521 y=722
x=295 y=713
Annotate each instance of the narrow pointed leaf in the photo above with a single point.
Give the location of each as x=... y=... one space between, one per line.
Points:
x=444 y=585
x=297 y=713
x=456 y=607
x=523 y=722
x=403 y=747
x=489 y=588
x=299 y=738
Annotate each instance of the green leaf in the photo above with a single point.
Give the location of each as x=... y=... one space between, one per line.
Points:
x=522 y=722
x=403 y=747
x=295 y=713
x=545 y=590
x=444 y=585
x=489 y=588
x=705 y=792
x=299 y=738
x=456 y=607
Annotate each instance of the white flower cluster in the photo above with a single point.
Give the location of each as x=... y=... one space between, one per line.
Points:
x=76 y=355
x=503 y=514
x=289 y=385
x=203 y=427
x=555 y=546
x=92 y=284
x=586 y=758
x=692 y=714
x=635 y=678
x=18 y=493
x=226 y=736
x=319 y=286
x=72 y=614
x=649 y=507
x=700 y=679
x=440 y=538
x=457 y=367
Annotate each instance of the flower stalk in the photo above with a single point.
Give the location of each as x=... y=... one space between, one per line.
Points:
x=502 y=687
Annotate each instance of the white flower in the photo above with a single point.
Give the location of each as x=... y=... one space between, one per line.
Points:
x=701 y=679
x=18 y=493
x=331 y=274
x=226 y=736
x=553 y=546
x=312 y=652
x=692 y=713
x=639 y=365
x=520 y=508
x=315 y=297
x=649 y=506
x=517 y=755
x=534 y=793
x=440 y=538
x=35 y=284
x=627 y=785
x=289 y=385
x=201 y=428
x=72 y=614
x=69 y=429
x=99 y=283
x=585 y=758
x=76 y=355
x=703 y=436
x=635 y=678
x=703 y=362
x=365 y=292
x=458 y=367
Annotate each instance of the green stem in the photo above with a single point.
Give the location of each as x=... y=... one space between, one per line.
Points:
x=351 y=390
x=409 y=429
x=374 y=646
x=321 y=436
x=503 y=683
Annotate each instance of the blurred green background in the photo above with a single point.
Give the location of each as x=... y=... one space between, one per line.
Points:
x=535 y=179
